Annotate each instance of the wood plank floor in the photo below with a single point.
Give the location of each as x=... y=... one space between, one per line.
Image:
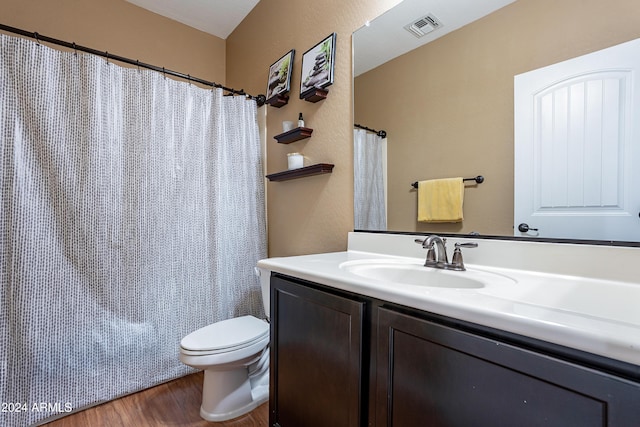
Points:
x=176 y=403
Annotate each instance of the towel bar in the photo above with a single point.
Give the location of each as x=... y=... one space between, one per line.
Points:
x=478 y=179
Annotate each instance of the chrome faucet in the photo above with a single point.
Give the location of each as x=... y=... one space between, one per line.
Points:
x=441 y=249
x=433 y=243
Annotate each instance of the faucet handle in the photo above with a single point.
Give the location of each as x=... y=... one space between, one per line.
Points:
x=467 y=245
x=423 y=242
x=456 y=262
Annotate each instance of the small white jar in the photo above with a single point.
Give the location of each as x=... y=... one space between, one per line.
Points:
x=295 y=160
x=287 y=125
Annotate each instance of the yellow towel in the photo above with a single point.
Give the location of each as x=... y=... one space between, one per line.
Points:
x=440 y=200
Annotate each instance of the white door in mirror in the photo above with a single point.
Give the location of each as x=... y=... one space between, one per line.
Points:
x=577 y=147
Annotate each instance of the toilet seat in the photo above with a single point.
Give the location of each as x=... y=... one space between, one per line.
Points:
x=225 y=336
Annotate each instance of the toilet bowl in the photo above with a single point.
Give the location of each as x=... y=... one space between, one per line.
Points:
x=234 y=355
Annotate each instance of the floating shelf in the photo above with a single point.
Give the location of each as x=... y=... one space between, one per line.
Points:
x=320 y=168
x=315 y=95
x=278 y=101
x=293 y=135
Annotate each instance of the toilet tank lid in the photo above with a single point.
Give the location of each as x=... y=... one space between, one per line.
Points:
x=226 y=334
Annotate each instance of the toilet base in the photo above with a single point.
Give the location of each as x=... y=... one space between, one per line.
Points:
x=217 y=417
x=229 y=394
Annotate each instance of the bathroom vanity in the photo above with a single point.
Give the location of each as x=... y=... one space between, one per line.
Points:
x=353 y=350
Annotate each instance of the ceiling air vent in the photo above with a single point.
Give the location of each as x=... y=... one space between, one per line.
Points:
x=423 y=26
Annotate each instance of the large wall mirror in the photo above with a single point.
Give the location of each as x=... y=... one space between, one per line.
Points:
x=446 y=100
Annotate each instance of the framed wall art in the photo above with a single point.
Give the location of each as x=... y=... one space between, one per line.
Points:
x=279 y=82
x=317 y=66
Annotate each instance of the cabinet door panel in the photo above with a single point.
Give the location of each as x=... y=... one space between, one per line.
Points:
x=316 y=354
x=429 y=374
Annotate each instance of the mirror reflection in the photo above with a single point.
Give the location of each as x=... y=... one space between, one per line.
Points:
x=448 y=105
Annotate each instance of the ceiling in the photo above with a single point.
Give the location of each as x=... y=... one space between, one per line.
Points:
x=217 y=17
x=385 y=38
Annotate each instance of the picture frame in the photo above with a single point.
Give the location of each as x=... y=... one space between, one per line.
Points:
x=279 y=81
x=318 y=66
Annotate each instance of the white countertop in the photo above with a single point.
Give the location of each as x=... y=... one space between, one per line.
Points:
x=594 y=315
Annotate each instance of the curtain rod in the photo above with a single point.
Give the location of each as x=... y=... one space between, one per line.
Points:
x=380 y=133
x=260 y=99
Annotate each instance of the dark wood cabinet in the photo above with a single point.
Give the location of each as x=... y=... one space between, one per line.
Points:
x=316 y=357
x=433 y=375
x=341 y=359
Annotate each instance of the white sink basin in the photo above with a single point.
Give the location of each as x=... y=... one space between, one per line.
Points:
x=416 y=274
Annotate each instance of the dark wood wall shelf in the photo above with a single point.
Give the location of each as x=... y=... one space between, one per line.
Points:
x=278 y=101
x=294 y=135
x=318 y=169
x=315 y=95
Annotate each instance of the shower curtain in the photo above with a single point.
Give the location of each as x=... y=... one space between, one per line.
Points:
x=131 y=214
x=369 y=165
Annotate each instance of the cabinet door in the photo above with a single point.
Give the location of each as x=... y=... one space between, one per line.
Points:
x=432 y=375
x=316 y=352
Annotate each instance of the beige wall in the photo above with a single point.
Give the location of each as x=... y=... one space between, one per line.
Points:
x=312 y=214
x=123 y=29
x=450 y=112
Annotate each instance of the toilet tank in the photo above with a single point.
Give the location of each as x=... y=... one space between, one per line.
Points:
x=265 y=282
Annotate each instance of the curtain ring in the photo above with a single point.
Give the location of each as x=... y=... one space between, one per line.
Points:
x=189 y=78
x=138 y=64
x=107 y=57
x=75 y=50
x=163 y=73
x=36 y=36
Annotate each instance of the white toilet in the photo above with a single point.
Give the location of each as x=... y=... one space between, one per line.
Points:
x=234 y=355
